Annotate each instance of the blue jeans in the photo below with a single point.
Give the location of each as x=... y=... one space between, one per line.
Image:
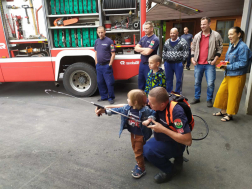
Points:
x=170 y=69
x=158 y=153
x=142 y=75
x=210 y=73
x=105 y=81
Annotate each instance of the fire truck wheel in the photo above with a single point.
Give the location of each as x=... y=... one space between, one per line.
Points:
x=80 y=79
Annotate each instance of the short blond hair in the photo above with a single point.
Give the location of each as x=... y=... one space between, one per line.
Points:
x=160 y=94
x=138 y=96
x=100 y=27
x=149 y=23
x=156 y=58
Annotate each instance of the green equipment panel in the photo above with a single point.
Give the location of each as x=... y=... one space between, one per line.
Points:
x=52 y=7
x=62 y=11
x=89 y=6
x=80 y=7
x=61 y=39
x=85 y=6
x=79 y=37
x=73 y=38
x=84 y=37
x=68 y=44
x=71 y=7
x=95 y=33
x=56 y=44
x=94 y=6
x=75 y=6
x=57 y=7
x=91 y=37
x=66 y=6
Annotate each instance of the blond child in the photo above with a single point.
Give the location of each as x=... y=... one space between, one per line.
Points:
x=156 y=75
x=139 y=134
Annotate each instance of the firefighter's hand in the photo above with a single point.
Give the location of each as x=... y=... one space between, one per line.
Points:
x=146 y=122
x=99 y=111
x=157 y=127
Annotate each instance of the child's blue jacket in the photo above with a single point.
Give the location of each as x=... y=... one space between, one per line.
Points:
x=144 y=114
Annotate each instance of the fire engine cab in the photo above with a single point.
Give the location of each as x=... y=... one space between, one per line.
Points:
x=40 y=40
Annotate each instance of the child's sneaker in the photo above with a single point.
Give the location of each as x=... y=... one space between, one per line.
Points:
x=138 y=173
x=134 y=169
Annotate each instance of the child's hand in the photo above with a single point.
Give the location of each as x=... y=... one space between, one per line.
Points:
x=99 y=111
x=146 y=122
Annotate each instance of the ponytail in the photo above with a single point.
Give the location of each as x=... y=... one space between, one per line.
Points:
x=239 y=30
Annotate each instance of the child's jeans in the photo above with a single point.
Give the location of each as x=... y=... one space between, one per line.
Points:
x=137 y=142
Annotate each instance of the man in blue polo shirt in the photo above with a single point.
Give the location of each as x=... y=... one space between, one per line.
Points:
x=104 y=57
x=188 y=37
x=147 y=46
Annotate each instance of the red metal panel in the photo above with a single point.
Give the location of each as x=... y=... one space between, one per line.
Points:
x=27 y=71
x=53 y=66
x=126 y=69
x=1 y=75
x=143 y=16
x=3 y=45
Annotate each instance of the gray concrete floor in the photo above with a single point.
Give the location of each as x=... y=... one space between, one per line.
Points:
x=58 y=142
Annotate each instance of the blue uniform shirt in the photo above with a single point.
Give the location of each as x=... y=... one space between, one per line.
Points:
x=149 y=42
x=189 y=38
x=179 y=119
x=104 y=47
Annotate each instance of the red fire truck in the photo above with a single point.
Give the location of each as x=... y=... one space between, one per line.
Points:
x=66 y=46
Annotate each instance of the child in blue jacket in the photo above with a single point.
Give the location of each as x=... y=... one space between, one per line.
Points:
x=139 y=134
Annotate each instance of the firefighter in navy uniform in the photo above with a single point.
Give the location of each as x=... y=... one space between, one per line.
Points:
x=104 y=57
x=167 y=143
x=147 y=46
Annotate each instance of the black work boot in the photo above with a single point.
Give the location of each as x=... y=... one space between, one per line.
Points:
x=162 y=177
x=178 y=164
x=195 y=101
x=209 y=103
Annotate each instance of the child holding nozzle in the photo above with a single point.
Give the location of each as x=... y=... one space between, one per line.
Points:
x=136 y=109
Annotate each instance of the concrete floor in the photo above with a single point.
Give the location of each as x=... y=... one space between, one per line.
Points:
x=58 y=142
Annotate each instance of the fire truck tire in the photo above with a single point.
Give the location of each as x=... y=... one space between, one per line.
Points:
x=80 y=79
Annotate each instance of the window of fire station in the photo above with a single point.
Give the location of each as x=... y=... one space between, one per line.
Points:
x=223 y=27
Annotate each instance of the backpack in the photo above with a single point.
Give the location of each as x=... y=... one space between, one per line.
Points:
x=182 y=101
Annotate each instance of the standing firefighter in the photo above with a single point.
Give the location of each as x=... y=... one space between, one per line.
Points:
x=147 y=46
x=104 y=57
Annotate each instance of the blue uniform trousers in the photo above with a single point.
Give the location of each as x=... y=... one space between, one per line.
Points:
x=105 y=81
x=189 y=59
x=158 y=153
x=142 y=75
x=170 y=69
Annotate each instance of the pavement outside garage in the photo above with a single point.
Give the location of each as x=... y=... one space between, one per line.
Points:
x=58 y=142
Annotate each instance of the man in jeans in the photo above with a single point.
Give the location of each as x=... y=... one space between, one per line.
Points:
x=206 y=49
